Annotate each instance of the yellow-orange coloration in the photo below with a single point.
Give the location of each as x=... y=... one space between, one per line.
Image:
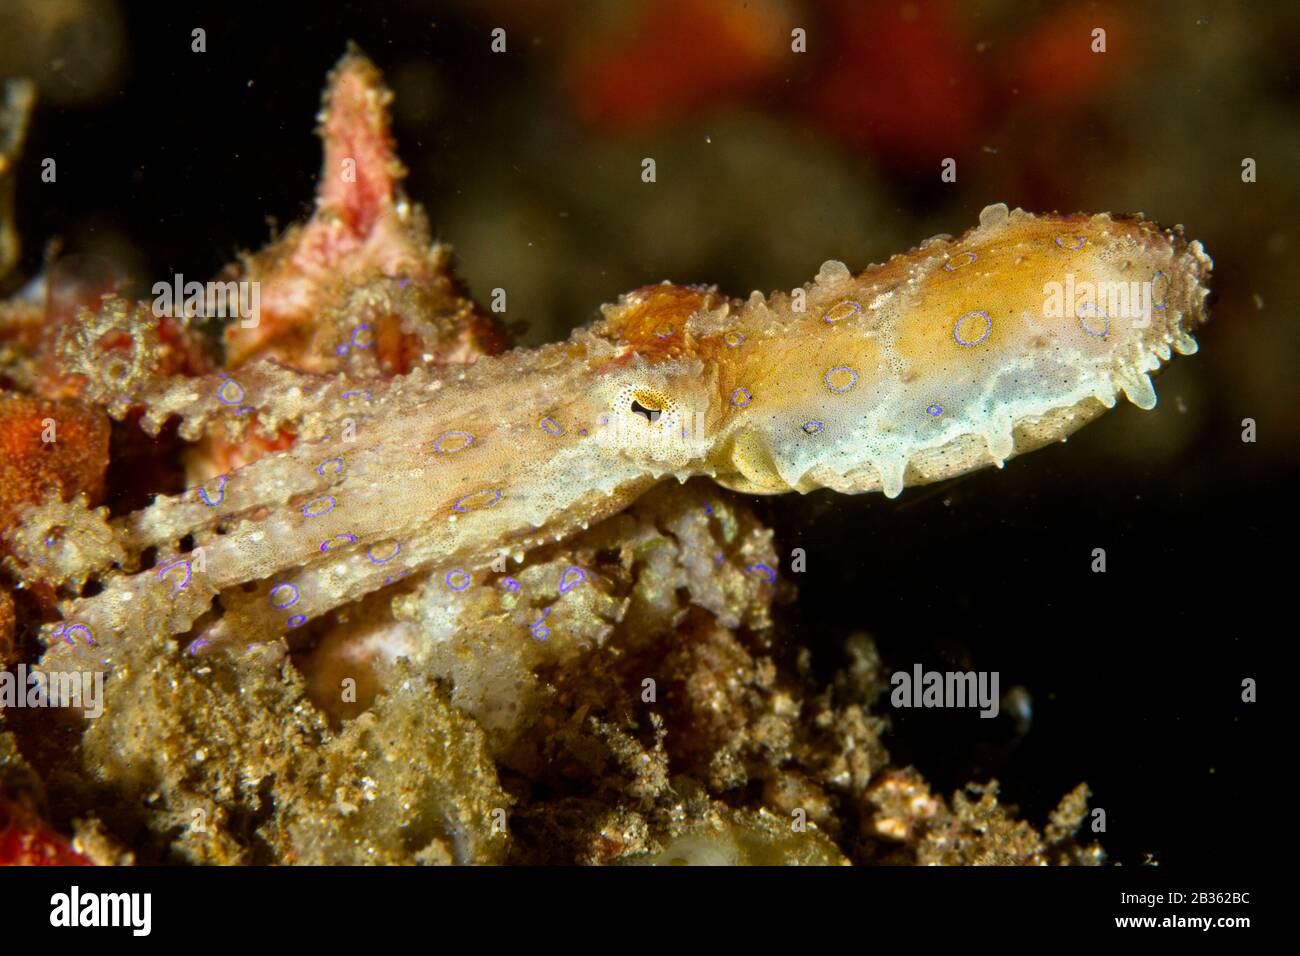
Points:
x=943 y=360
x=652 y=321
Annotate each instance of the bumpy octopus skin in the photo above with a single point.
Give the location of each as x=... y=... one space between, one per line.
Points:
x=936 y=363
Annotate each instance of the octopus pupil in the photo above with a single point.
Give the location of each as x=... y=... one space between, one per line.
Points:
x=651 y=414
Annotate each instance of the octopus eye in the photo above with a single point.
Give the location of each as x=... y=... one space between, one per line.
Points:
x=651 y=414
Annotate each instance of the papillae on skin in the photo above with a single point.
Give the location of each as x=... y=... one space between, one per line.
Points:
x=941 y=361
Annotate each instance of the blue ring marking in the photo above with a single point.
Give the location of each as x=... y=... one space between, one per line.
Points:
x=325 y=545
x=541 y=631
x=437 y=442
x=565 y=585
x=176 y=564
x=855 y=310
x=308 y=513
x=1097 y=311
x=370 y=553
x=486 y=504
x=1164 y=301
x=221 y=492
x=222 y=387
x=840 y=368
x=988 y=328
x=290 y=603
x=67 y=635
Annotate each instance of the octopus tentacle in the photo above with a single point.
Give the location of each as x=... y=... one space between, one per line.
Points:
x=943 y=360
x=265 y=394
x=268 y=482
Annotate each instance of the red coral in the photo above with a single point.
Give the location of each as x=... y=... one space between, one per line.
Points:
x=361 y=274
x=1060 y=68
x=32 y=468
x=675 y=58
x=363 y=232
x=26 y=840
x=901 y=80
